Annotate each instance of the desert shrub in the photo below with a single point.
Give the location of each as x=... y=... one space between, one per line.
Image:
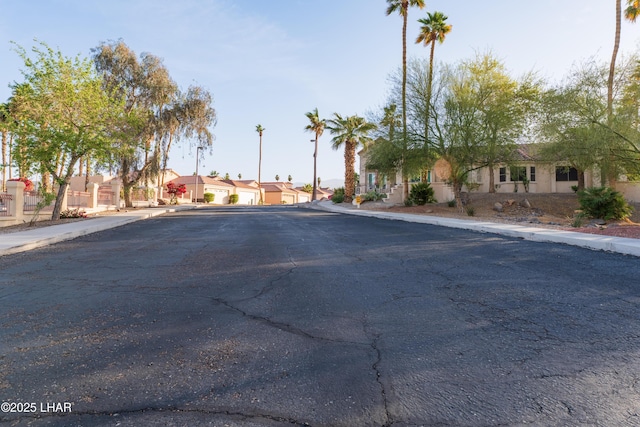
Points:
x=451 y=203
x=338 y=195
x=578 y=220
x=470 y=211
x=233 y=199
x=603 y=202
x=208 y=197
x=422 y=193
x=373 y=196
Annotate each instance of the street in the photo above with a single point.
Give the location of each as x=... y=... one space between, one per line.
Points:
x=269 y=316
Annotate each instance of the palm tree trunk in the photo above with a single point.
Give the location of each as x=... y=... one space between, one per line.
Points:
x=260 y=170
x=611 y=175
x=405 y=6
x=87 y=172
x=4 y=161
x=10 y=153
x=315 y=170
x=349 y=171
x=429 y=84
x=612 y=66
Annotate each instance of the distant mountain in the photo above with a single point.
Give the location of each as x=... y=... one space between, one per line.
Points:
x=331 y=183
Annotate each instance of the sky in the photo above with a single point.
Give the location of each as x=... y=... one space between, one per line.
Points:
x=269 y=62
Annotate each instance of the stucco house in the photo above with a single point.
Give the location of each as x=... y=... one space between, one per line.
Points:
x=279 y=193
x=526 y=173
x=205 y=184
x=247 y=191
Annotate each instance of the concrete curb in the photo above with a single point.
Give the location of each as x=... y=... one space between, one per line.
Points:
x=40 y=237
x=590 y=241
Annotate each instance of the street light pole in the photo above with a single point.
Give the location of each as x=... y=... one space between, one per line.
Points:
x=197 y=158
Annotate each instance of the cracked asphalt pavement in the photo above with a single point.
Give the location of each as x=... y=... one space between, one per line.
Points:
x=276 y=316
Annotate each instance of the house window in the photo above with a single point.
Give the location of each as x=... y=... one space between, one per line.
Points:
x=371 y=180
x=503 y=174
x=532 y=173
x=566 y=173
x=518 y=173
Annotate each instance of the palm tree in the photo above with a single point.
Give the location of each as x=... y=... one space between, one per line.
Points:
x=316 y=125
x=633 y=10
x=351 y=132
x=260 y=130
x=278 y=178
x=434 y=28
x=402 y=7
x=631 y=13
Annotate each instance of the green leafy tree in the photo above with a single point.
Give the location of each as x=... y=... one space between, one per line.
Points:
x=402 y=7
x=62 y=112
x=156 y=111
x=576 y=125
x=479 y=112
x=316 y=125
x=349 y=132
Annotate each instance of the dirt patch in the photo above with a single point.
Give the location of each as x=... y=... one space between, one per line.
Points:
x=541 y=210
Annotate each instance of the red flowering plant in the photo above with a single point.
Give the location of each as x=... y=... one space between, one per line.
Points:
x=28 y=184
x=175 y=190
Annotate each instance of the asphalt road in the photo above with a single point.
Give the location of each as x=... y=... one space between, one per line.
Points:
x=283 y=316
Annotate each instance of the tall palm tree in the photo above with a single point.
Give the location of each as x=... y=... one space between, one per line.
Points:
x=402 y=7
x=434 y=28
x=316 y=125
x=632 y=10
x=631 y=13
x=351 y=132
x=390 y=119
x=260 y=130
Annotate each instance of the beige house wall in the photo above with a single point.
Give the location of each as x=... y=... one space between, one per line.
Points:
x=273 y=197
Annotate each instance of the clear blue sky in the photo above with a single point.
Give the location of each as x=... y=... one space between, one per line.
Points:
x=270 y=61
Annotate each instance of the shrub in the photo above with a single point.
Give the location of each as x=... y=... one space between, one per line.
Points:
x=233 y=199
x=470 y=211
x=422 y=193
x=208 y=197
x=603 y=202
x=338 y=195
x=373 y=196
x=451 y=203
x=578 y=220
x=73 y=213
x=408 y=203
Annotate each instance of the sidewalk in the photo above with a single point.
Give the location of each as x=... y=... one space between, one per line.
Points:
x=12 y=243
x=590 y=241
